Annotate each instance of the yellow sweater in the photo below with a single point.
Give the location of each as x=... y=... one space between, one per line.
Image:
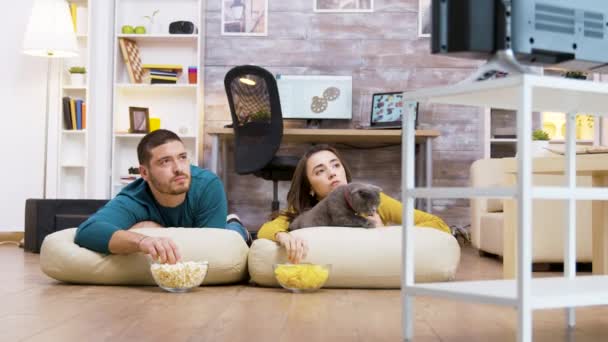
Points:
x=390 y=211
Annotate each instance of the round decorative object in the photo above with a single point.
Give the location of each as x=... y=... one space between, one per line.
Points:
x=319 y=104
x=331 y=93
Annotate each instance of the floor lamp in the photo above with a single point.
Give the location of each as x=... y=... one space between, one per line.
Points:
x=50 y=34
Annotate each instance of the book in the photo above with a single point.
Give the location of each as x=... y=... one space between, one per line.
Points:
x=160 y=81
x=78 y=114
x=67 y=116
x=84 y=115
x=162 y=66
x=73 y=112
x=162 y=73
x=166 y=78
x=73 y=12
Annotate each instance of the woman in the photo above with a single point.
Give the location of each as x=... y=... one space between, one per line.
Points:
x=318 y=172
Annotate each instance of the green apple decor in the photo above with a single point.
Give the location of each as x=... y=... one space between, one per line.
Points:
x=140 y=30
x=128 y=29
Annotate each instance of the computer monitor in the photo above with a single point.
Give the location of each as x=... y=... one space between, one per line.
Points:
x=389 y=108
x=315 y=97
x=570 y=34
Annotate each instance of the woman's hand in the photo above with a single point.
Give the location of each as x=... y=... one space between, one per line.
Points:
x=376 y=220
x=296 y=248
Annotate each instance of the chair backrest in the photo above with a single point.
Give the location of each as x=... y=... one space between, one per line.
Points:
x=257 y=120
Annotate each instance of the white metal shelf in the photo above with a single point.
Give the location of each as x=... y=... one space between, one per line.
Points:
x=538 y=192
x=461 y=192
x=546 y=293
x=526 y=94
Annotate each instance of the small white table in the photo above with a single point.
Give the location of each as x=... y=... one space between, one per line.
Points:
x=524 y=93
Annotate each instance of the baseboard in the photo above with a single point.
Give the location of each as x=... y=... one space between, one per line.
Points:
x=11 y=236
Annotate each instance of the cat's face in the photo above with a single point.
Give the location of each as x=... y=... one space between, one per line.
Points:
x=365 y=198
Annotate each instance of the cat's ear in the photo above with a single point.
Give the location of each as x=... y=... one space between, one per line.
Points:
x=355 y=187
x=375 y=188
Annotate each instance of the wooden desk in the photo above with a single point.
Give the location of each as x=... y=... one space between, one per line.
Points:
x=594 y=165
x=305 y=135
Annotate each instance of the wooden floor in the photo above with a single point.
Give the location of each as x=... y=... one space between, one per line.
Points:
x=34 y=307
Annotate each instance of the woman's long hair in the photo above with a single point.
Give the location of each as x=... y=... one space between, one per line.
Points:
x=299 y=199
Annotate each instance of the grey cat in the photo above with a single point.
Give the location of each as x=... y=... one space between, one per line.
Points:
x=343 y=207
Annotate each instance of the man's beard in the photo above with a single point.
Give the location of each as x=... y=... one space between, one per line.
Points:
x=167 y=189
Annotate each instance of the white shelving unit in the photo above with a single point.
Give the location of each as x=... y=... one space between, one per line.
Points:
x=72 y=161
x=178 y=106
x=526 y=94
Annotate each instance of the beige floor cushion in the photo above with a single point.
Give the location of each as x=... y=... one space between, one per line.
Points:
x=226 y=252
x=362 y=258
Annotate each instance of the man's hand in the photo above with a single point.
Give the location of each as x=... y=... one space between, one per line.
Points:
x=296 y=248
x=161 y=249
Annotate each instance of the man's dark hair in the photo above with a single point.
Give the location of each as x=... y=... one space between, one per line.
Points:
x=152 y=140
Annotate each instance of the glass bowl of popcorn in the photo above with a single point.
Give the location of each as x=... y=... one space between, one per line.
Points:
x=179 y=277
x=301 y=277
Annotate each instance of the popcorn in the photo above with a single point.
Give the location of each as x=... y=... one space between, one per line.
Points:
x=181 y=275
x=302 y=276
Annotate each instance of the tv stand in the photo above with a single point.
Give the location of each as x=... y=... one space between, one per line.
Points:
x=313 y=123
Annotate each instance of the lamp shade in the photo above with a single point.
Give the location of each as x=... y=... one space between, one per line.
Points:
x=50 y=32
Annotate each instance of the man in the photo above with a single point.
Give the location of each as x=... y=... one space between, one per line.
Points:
x=170 y=193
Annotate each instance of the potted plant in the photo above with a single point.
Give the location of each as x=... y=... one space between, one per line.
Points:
x=540 y=140
x=153 y=23
x=77 y=75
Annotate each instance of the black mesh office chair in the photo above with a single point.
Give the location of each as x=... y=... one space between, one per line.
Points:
x=257 y=120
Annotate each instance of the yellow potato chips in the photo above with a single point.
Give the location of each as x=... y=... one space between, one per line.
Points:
x=302 y=276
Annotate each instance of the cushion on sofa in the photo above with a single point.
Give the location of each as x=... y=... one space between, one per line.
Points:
x=362 y=258
x=491 y=232
x=225 y=250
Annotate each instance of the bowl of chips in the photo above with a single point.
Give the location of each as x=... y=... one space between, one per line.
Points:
x=301 y=277
x=179 y=277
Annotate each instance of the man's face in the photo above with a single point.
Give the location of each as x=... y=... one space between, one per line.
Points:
x=168 y=171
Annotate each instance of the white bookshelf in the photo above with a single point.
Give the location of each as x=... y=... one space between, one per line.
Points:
x=72 y=155
x=526 y=94
x=178 y=106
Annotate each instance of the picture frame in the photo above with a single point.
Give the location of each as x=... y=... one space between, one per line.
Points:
x=343 y=6
x=424 y=18
x=244 y=17
x=139 y=120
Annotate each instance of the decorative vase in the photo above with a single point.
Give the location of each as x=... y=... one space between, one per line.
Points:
x=77 y=80
x=537 y=148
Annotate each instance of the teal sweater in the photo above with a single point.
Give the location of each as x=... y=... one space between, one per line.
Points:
x=205 y=206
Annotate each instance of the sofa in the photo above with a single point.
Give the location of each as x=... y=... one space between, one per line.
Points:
x=488 y=216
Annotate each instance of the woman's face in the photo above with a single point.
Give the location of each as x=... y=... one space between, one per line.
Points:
x=325 y=173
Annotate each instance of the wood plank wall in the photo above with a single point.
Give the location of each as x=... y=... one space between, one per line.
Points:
x=382 y=52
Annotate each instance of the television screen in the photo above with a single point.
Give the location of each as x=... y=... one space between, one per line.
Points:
x=571 y=34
